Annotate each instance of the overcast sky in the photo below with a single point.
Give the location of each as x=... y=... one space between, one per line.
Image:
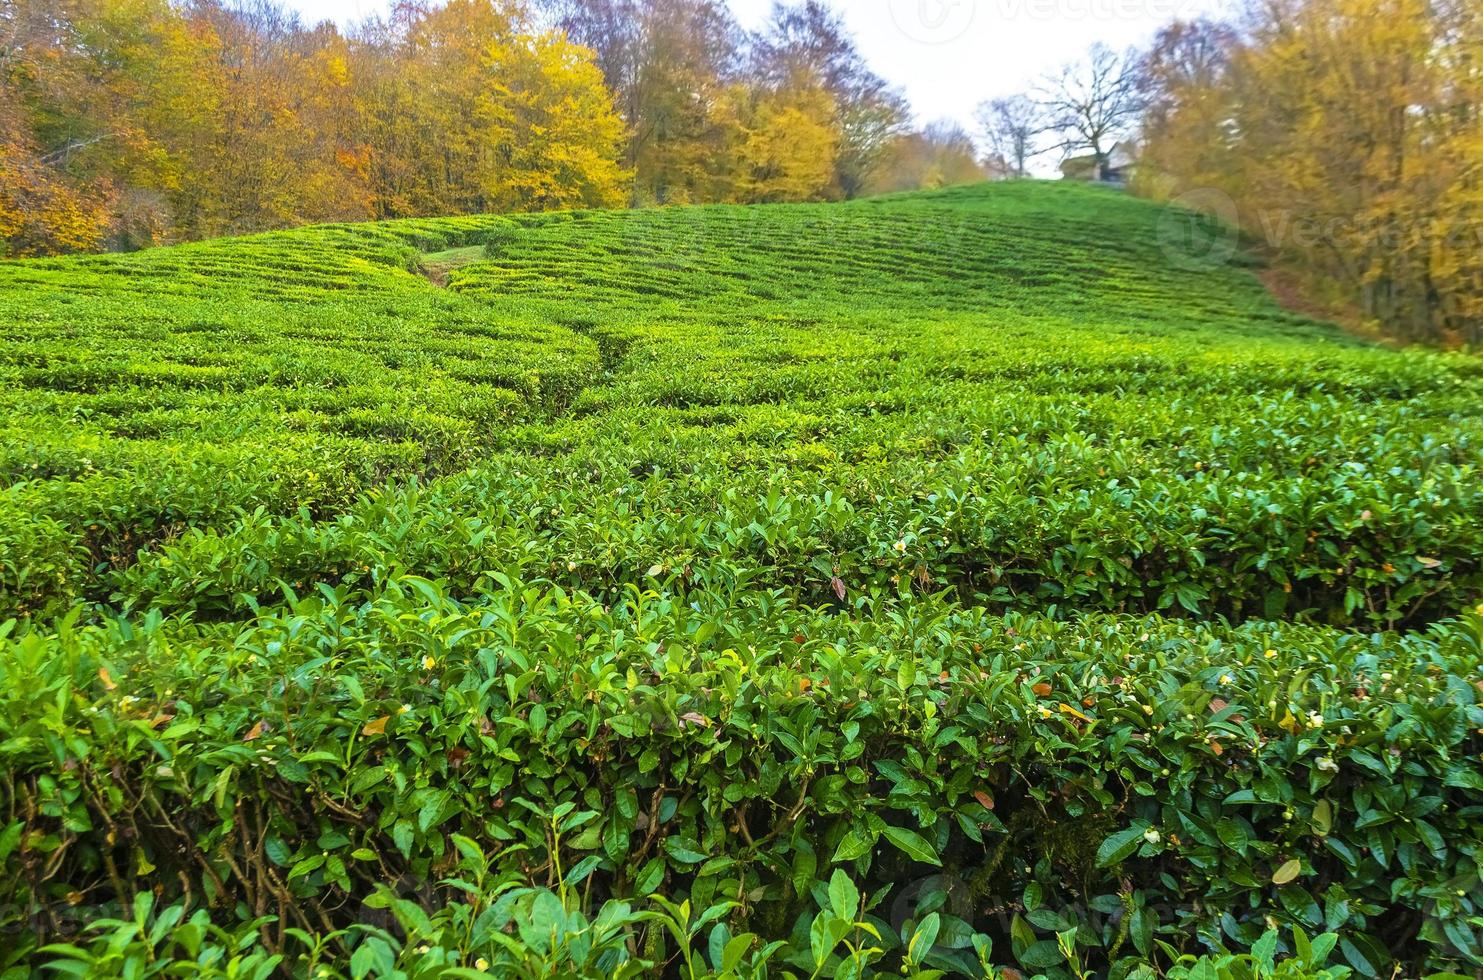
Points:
x=948 y=55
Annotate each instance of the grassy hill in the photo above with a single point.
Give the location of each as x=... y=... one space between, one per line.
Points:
x=984 y=546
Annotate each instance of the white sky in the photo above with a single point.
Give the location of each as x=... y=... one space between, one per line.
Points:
x=948 y=55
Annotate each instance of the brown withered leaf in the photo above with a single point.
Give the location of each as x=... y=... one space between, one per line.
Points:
x=255 y=732
x=103 y=676
x=1043 y=689
x=837 y=584
x=1217 y=705
x=377 y=727
x=984 y=799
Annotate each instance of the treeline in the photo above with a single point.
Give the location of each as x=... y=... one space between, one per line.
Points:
x=132 y=123
x=790 y=113
x=1345 y=134
x=129 y=124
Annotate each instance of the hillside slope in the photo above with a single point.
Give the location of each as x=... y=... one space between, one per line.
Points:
x=860 y=516
x=1031 y=348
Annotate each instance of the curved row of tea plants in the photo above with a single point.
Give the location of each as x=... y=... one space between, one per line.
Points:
x=748 y=551
x=1017 y=383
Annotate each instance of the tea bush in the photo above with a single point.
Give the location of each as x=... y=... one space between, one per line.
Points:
x=1147 y=785
x=943 y=582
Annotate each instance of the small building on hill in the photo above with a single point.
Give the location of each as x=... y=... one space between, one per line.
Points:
x=1116 y=169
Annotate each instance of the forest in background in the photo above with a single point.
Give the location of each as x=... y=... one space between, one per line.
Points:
x=1343 y=135
x=1344 y=138
x=126 y=123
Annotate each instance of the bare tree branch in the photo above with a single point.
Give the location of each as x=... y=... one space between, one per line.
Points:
x=1093 y=103
x=1012 y=127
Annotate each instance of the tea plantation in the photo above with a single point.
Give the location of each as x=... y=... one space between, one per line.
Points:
x=972 y=581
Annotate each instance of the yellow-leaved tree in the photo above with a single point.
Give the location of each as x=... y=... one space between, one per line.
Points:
x=1348 y=135
x=787 y=144
x=554 y=137
x=124 y=123
x=40 y=212
x=462 y=108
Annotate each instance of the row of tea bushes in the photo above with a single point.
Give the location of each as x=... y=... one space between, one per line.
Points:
x=1117 y=790
x=1016 y=521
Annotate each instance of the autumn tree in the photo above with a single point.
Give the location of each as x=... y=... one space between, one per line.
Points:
x=270 y=141
x=671 y=66
x=807 y=43
x=942 y=154
x=1184 y=81
x=1348 y=135
x=48 y=202
x=41 y=209
x=716 y=115
x=423 y=99
x=554 y=139
x=130 y=123
x=41 y=212
x=788 y=144
x=462 y=109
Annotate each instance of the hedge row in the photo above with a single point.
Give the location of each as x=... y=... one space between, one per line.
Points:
x=1120 y=791
x=1027 y=521
x=941 y=370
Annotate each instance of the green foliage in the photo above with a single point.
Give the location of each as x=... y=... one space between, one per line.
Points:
x=935 y=583
x=741 y=749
